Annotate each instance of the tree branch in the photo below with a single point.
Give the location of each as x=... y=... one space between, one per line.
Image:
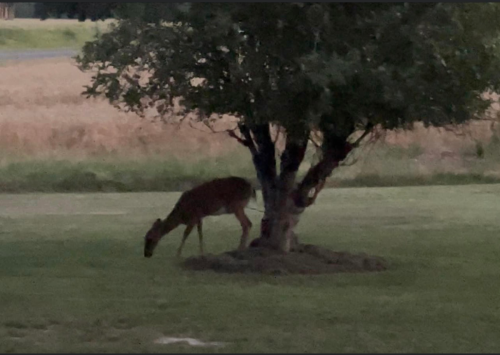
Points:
x=317 y=189
x=248 y=140
x=278 y=131
x=212 y=130
x=368 y=129
x=292 y=156
x=264 y=158
x=337 y=151
x=244 y=142
x=316 y=144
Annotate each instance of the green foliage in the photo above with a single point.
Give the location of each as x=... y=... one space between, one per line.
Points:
x=330 y=66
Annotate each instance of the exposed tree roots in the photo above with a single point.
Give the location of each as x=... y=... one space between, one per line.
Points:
x=305 y=259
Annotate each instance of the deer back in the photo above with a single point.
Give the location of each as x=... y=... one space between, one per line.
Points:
x=219 y=196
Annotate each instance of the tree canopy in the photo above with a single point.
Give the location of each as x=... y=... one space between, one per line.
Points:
x=333 y=68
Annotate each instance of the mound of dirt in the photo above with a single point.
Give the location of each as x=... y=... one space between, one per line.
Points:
x=306 y=259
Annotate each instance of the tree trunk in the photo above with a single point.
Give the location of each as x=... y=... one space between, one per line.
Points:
x=281 y=215
x=7 y=10
x=284 y=200
x=262 y=149
x=278 y=222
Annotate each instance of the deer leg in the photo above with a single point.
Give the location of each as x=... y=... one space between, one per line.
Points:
x=200 y=235
x=188 y=230
x=246 y=224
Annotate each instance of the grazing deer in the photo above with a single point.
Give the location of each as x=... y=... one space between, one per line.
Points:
x=217 y=197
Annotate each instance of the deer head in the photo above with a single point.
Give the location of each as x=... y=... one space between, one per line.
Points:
x=158 y=230
x=152 y=238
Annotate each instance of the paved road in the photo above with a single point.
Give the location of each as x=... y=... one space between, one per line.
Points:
x=31 y=54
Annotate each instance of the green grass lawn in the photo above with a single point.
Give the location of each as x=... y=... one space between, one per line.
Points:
x=50 y=34
x=73 y=278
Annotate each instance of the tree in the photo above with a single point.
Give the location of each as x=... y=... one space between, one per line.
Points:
x=94 y=10
x=335 y=69
x=7 y=10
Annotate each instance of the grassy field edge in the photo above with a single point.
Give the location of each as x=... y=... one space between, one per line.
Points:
x=36 y=34
x=175 y=175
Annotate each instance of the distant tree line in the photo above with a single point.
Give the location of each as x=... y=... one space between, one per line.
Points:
x=80 y=10
x=6 y=11
x=73 y=10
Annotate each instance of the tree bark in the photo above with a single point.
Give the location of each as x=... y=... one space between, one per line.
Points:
x=284 y=212
x=276 y=225
x=263 y=155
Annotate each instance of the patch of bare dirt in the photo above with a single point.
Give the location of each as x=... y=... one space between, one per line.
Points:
x=189 y=341
x=306 y=260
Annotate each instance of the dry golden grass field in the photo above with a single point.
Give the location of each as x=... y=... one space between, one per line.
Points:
x=52 y=136
x=44 y=115
x=44 y=120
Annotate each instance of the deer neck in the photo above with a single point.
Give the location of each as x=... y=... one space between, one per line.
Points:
x=169 y=224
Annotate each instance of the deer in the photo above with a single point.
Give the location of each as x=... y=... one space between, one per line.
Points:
x=221 y=196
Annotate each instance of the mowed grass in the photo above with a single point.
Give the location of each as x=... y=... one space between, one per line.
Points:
x=73 y=278
x=48 y=34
